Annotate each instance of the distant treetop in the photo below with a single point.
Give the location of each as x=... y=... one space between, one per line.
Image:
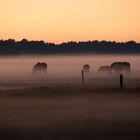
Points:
x=25 y=46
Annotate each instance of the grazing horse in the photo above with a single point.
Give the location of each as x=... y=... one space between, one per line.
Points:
x=86 y=68
x=40 y=68
x=105 y=69
x=120 y=67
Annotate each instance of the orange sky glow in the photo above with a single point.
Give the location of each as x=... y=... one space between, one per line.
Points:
x=70 y=20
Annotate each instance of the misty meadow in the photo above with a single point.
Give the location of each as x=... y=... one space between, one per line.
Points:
x=69 y=70
x=56 y=105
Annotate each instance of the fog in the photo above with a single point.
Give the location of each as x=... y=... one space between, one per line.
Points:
x=48 y=104
x=61 y=65
x=65 y=69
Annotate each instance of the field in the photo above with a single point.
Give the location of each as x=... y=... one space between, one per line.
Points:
x=57 y=106
x=43 y=111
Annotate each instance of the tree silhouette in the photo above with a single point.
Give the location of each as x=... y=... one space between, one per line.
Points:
x=25 y=46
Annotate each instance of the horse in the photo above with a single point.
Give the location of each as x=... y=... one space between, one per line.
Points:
x=86 y=68
x=119 y=67
x=105 y=69
x=40 y=68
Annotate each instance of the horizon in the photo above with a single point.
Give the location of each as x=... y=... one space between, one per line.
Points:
x=64 y=21
x=114 y=41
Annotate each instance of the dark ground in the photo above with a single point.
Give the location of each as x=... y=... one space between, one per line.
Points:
x=69 y=113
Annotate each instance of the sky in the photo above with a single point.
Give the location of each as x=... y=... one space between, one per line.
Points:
x=70 y=20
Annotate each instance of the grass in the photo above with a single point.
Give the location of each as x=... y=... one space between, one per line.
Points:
x=91 y=129
x=64 y=90
x=87 y=113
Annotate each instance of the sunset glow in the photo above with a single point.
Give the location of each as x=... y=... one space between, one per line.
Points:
x=65 y=20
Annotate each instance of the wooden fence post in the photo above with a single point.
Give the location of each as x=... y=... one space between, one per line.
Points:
x=121 y=81
x=83 y=79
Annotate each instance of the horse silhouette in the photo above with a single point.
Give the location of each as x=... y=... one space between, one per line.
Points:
x=119 y=67
x=86 y=68
x=40 y=68
x=105 y=69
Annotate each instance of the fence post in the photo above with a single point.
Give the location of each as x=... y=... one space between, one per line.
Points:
x=83 y=79
x=121 y=81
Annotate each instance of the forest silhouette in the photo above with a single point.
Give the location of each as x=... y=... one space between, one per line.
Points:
x=12 y=47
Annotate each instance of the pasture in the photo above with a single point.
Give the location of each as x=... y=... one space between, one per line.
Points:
x=64 y=112
x=57 y=106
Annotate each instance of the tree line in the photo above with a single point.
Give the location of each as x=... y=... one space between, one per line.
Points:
x=10 y=46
